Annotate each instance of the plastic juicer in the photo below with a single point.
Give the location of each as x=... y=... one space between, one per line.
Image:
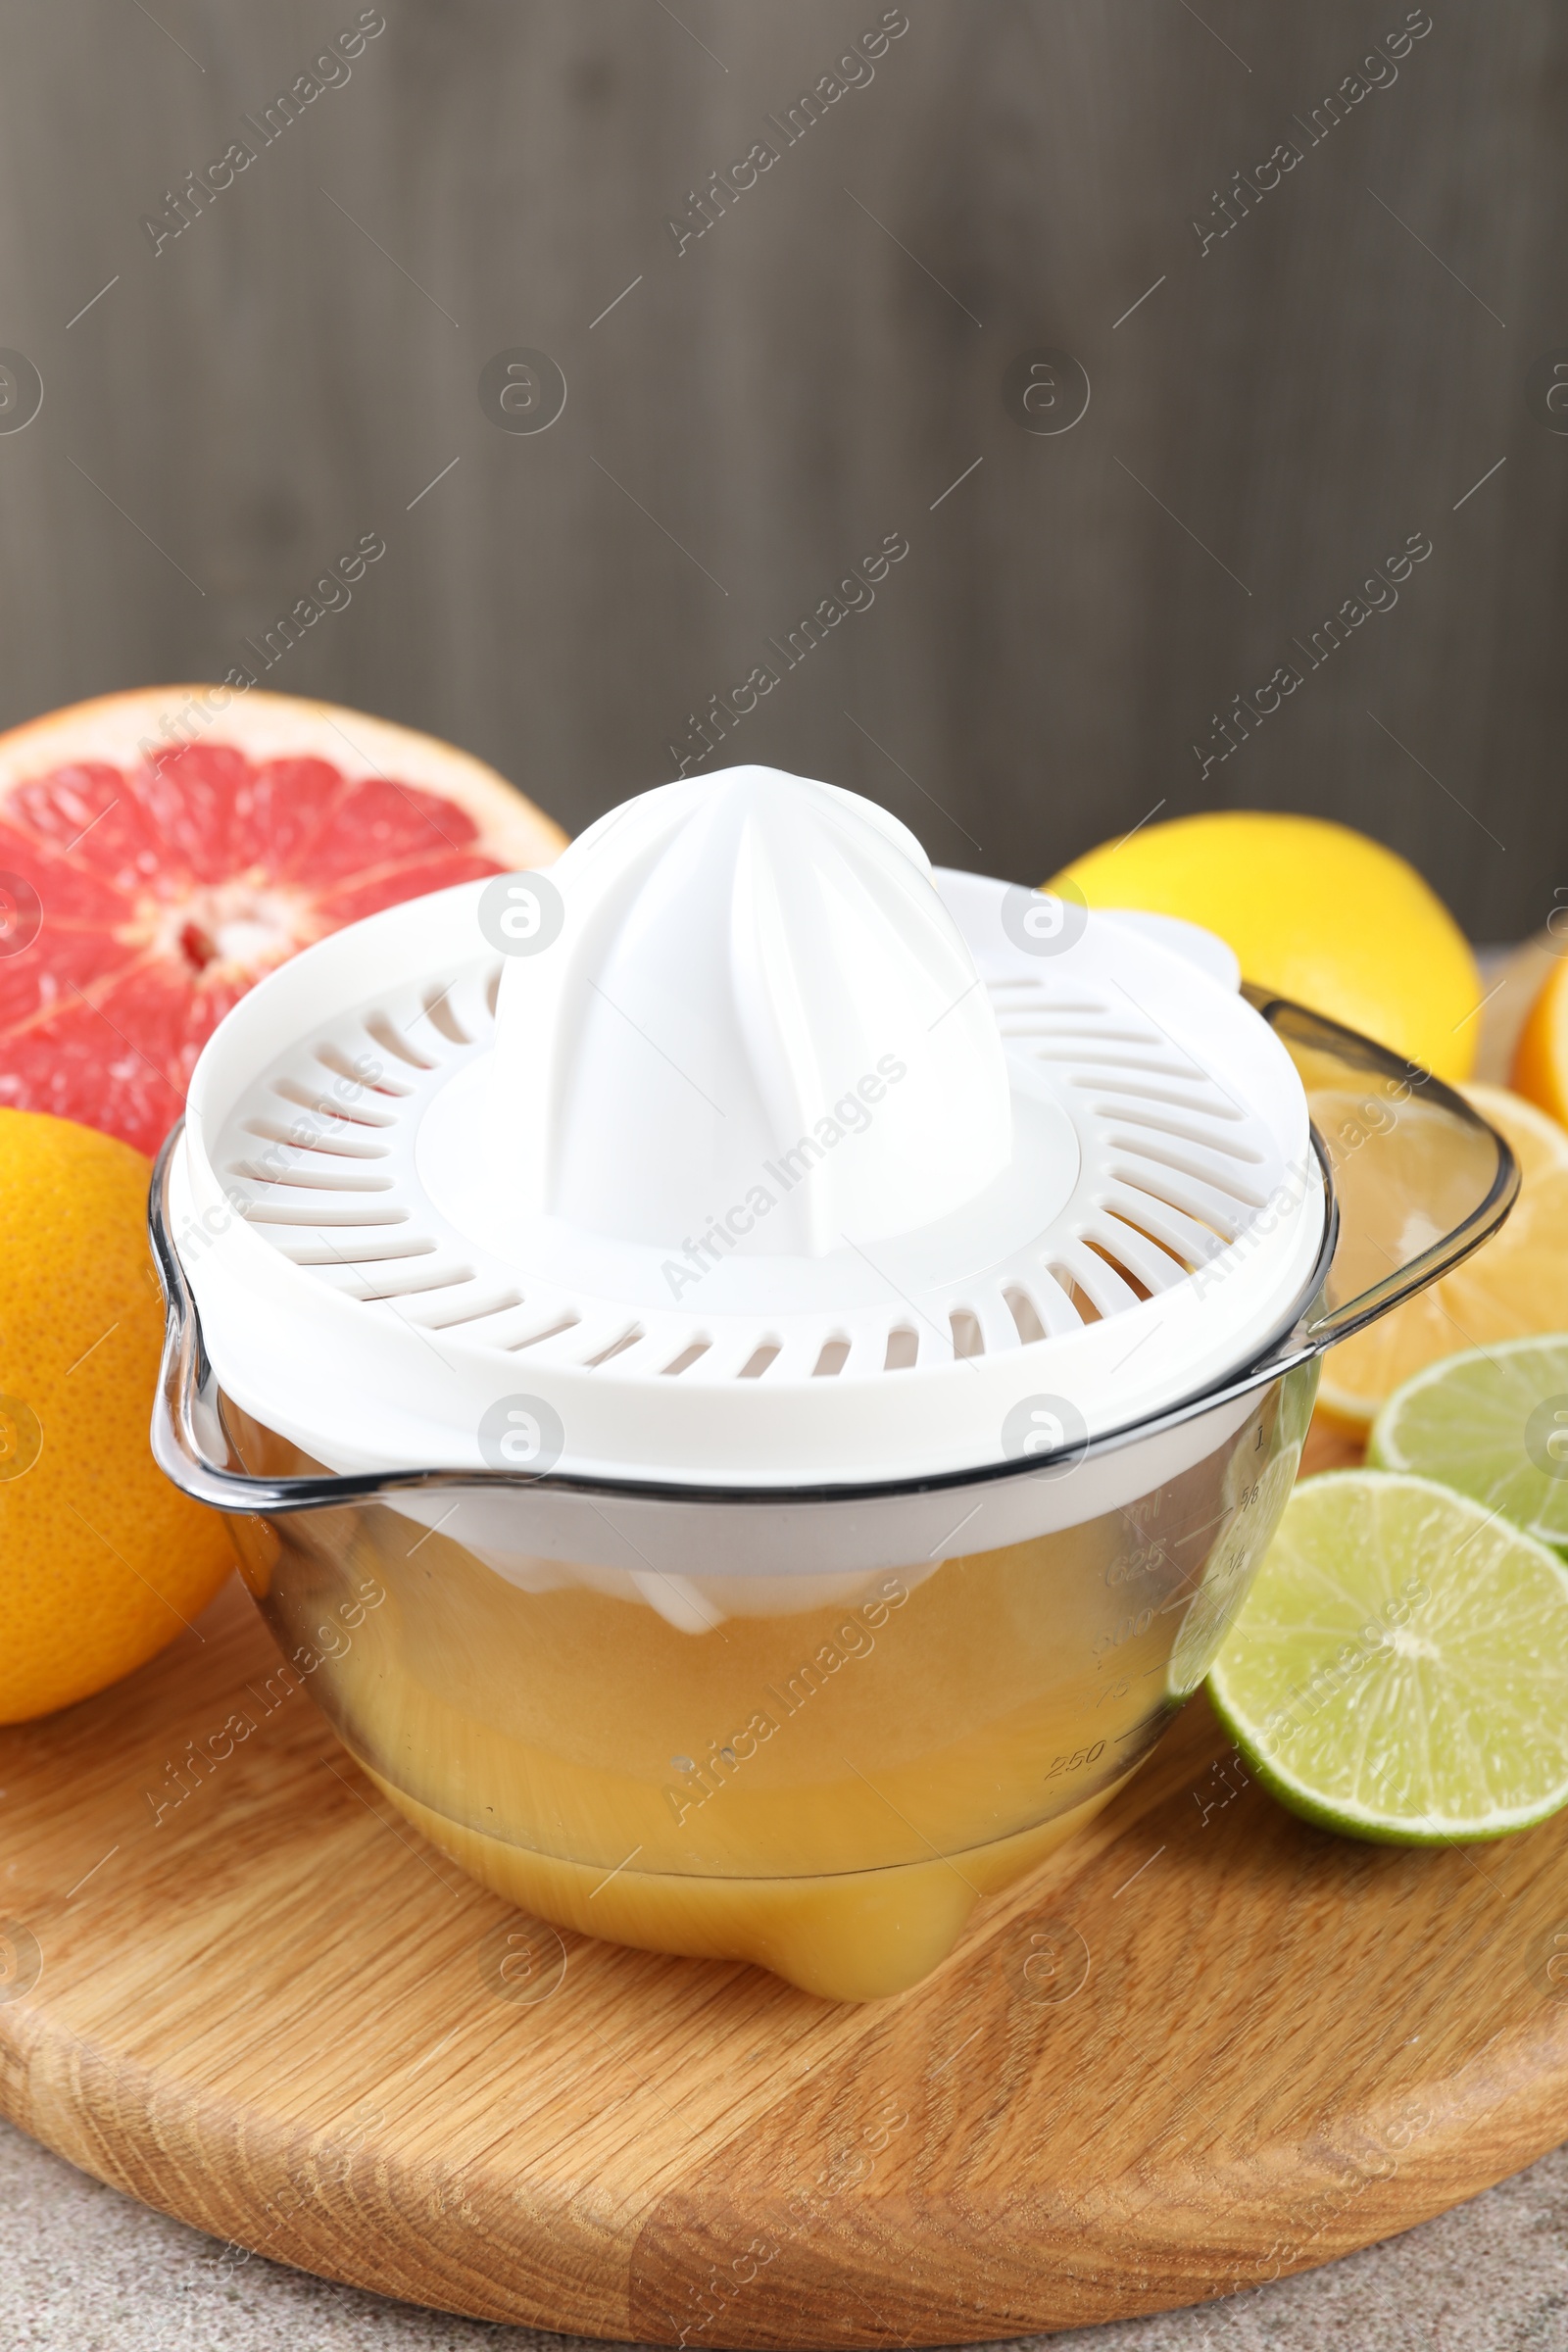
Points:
x=753 y=1375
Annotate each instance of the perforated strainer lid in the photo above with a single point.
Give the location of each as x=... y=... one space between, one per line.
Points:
x=740 y=1149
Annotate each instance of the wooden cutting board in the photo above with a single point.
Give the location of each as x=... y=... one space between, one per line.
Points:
x=1204 y=2046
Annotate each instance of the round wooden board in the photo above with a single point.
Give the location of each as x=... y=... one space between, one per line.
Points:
x=1205 y=2045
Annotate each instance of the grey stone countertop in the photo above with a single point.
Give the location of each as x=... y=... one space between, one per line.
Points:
x=84 y=2269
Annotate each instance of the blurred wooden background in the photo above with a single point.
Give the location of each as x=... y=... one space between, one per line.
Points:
x=1284 y=409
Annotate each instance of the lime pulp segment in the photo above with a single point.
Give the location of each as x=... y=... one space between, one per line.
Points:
x=1400 y=1668
x=1492 y=1422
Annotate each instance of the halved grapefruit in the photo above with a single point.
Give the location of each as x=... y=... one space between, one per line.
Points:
x=147 y=882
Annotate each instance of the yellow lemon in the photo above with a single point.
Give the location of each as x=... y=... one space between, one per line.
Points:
x=102 y=1561
x=1540 y=1059
x=1313 y=911
x=1515 y=1284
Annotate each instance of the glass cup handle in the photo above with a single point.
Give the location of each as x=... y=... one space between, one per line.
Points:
x=1420 y=1178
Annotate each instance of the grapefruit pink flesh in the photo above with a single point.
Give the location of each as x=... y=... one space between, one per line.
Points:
x=158 y=891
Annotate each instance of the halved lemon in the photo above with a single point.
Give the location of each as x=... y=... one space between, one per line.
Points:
x=1515 y=1284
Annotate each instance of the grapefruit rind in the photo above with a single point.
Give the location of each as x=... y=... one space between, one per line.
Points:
x=146 y=889
x=118 y=727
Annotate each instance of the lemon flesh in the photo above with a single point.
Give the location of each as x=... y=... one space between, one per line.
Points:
x=1399 y=1669
x=1516 y=1283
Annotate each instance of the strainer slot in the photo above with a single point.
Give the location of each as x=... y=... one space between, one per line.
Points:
x=1080 y=1305
x=492 y=1303
x=549 y=1331
x=1157 y=1267
x=1203 y=1202
x=1007 y=984
x=340 y=1147
x=1221 y=1178
x=758 y=1361
x=1120 y=1266
x=687 y=1358
x=1092 y=1062
x=1192 y=1241
x=324 y=1107
x=440 y=1015
x=628 y=1337
x=334 y=1059
x=1025 y=1314
x=1042 y=1025
x=1190 y=1133
x=1094 y=1278
x=277 y=1212
x=968 y=1337
x=384 y=1031
x=835 y=1354
x=1120 y=1090
x=318 y=1180
x=904 y=1348
x=375 y=1250
x=371 y=1290
x=1053 y=1303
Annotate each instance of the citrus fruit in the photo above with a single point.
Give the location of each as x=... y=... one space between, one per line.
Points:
x=1515 y=1283
x=1540 y=1057
x=1492 y=1422
x=1399 y=1667
x=102 y=1561
x=145 y=884
x=1314 y=911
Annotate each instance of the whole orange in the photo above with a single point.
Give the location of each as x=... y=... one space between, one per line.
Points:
x=1540 y=1059
x=102 y=1561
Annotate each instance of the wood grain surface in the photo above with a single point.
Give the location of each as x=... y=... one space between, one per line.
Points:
x=1204 y=2046
x=1286 y=404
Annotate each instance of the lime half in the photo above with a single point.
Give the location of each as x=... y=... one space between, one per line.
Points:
x=1400 y=1668
x=1492 y=1422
